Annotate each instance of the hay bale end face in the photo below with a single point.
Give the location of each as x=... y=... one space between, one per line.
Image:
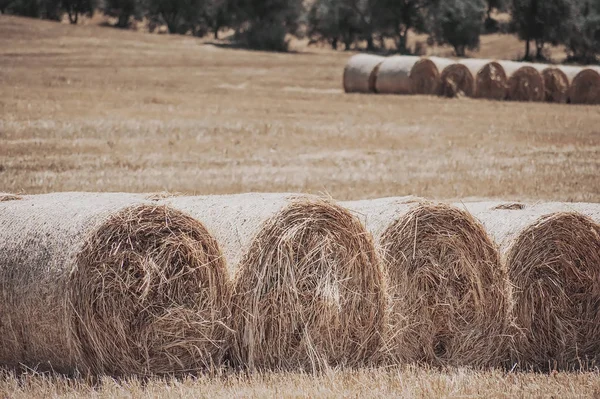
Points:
x=585 y=87
x=552 y=252
x=556 y=83
x=448 y=291
x=309 y=289
x=490 y=79
x=394 y=75
x=109 y=283
x=457 y=81
x=360 y=73
x=425 y=75
x=524 y=83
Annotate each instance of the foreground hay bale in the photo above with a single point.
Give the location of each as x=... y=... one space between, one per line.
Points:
x=552 y=252
x=490 y=79
x=585 y=87
x=524 y=83
x=425 y=75
x=448 y=292
x=360 y=73
x=457 y=80
x=394 y=75
x=309 y=290
x=108 y=283
x=556 y=83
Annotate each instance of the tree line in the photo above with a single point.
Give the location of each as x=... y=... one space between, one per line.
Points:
x=265 y=24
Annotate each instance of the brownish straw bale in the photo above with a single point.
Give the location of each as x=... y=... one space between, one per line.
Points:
x=360 y=73
x=448 y=291
x=585 y=87
x=457 y=81
x=309 y=289
x=552 y=252
x=9 y=197
x=490 y=79
x=556 y=83
x=524 y=83
x=393 y=75
x=426 y=75
x=109 y=283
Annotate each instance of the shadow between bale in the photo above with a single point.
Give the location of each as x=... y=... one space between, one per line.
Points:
x=109 y=284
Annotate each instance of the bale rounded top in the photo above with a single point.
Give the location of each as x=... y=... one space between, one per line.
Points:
x=360 y=73
x=585 y=87
x=491 y=81
x=457 y=80
x=525 y=83
x=393 y=75
x=425 y=75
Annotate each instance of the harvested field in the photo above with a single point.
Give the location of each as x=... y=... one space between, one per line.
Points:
x=552 y=253
x=109 y=283
x=448 y=292
x=309 y=292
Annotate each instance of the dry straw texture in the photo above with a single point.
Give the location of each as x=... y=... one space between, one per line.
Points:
x=552 y=252
x=426 y=75
x=309 y=289
x=360 y=73
x=9 y=197
x=448 y=291
x=524 y=83
x=394 y=75
x=556 y=83
x=490 y=79
x=457 y=80
x=585 y=87
x=108 y=283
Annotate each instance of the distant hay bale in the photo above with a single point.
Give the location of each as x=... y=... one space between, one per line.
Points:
x=109 y=283
x=360 y=73
x=393 y=75
x=490 y=79
x=448 y=291
x=585 y=87
x=457 y=81
x=552 y=252
x=425 y=75
x=309 y=291
x=524 y=83
x=556 y=83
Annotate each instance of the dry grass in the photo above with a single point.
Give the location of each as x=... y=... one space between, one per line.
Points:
x=379 y=383
x=82 y=111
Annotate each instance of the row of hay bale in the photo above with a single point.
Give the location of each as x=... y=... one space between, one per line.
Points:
x=126 y=284
x=477 y=78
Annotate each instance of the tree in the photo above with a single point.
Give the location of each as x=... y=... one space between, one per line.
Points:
x=332 y=21
x=123 y=10
x=458 y=23
x=76 y=7
x=181 y=16
x=542 y=21
x=494 y=4
x=217 y=14
x=396 y=17
x=583 y=42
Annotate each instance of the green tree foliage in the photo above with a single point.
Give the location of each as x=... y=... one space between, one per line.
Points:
x=124 y=10
x=333 y=21
x=542 y=21
x=583 y=42
x=74 y=8
x=458 y=23
x=180 y=16
x=396 y=17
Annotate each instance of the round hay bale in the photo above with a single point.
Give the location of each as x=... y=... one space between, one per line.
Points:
x=552 y=252
x=109 y=283
x=490 y=79
x=585 y=87
x=448 y=291
x=425 y=75
x=525 y=83
x=556 y=83
x=457 y=81
x=309 y=291
x=360 y=73
x=393 y=75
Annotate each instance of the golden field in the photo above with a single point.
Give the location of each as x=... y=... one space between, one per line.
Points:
x=86 y=108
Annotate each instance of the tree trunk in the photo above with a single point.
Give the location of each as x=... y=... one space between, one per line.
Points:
x=539 y=49
x=334 y=43
x=216 y=32
x=370 y=44
x=73 y=16
x=459 y=51
x=123 y=20
x=527 y=49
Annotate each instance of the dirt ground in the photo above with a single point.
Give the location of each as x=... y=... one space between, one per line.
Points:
x=99 y=109
x=86 y=108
